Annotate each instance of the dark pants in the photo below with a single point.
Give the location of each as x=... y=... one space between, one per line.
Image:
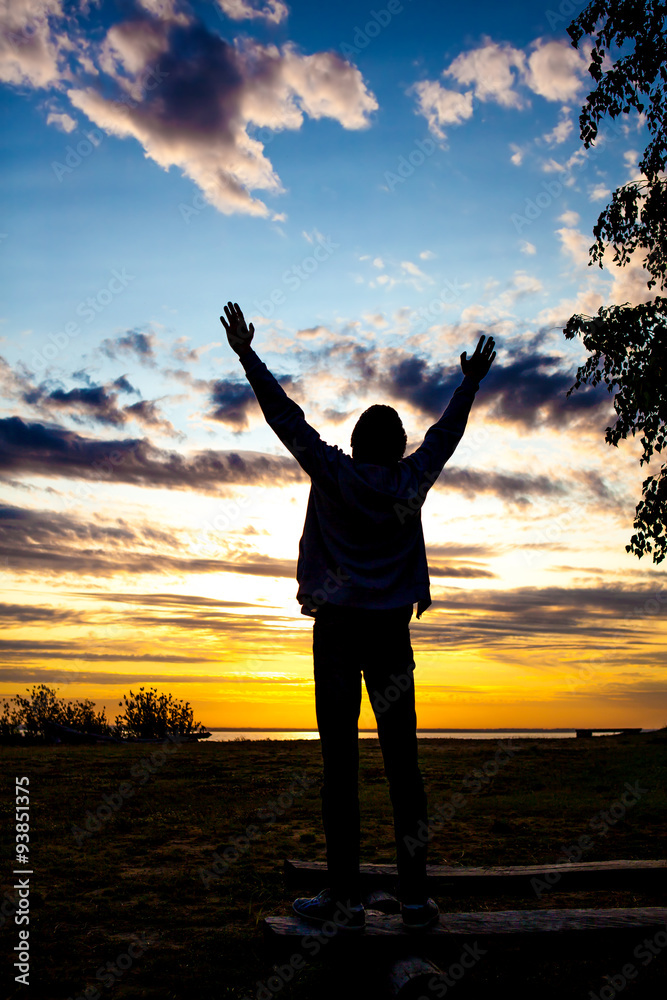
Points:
x=347 y=641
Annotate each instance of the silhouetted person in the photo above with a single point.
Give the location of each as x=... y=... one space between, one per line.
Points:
x=362 y=566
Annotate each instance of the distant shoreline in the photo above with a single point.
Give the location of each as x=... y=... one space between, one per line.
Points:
x=425 y=729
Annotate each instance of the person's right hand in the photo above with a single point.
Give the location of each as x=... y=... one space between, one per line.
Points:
x=238 y=334
x=478 y=365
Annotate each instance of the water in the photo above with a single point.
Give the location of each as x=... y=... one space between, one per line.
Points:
x=218 y=735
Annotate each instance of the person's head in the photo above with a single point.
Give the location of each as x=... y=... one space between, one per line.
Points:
x=378 y=436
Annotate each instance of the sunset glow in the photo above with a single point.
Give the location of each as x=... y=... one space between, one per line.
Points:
x=375 y=199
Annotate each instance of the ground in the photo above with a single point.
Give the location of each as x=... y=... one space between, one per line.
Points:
x=125 y=901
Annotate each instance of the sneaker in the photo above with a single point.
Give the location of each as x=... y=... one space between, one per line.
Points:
x=418 y=916
x=323 y=908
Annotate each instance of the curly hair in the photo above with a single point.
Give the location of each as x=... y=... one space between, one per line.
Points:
x=379 y=436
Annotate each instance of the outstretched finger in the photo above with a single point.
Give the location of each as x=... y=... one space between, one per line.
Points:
x=222 y=320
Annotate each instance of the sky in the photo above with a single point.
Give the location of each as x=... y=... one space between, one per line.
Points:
x=377 y=187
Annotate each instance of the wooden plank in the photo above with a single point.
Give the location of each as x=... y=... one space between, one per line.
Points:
x=386 y=934
x=414 y=976
x=510 y=880
x=622 y=731
x=383 y=902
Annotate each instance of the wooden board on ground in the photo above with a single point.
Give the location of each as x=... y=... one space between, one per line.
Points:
x=385 y=934
x=516 y=879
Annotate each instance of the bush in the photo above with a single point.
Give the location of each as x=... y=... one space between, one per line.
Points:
x=152 y=716
x=43 y=705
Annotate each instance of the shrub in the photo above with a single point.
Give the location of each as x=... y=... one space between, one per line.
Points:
x=43 y=705
x=152 y=716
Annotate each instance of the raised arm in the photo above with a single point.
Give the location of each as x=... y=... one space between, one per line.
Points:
x=282 y=414
x=442 y=438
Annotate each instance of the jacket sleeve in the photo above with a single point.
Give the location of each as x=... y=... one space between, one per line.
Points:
x=287 y=419
x=442 y=438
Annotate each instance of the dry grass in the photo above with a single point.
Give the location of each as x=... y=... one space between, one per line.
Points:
x=139 y=873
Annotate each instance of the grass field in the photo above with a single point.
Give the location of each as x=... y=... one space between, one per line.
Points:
x=125 y=872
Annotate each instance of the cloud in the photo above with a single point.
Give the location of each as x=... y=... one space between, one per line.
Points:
x=34 y=449
x=231 y=401
x=134 y=342
x=575 y=245
x=522 y=285
x=27 y=614
x=96 y=403
x=40 y=541
x=412 y=269
x=64 y=122
x=511 y=488
x=441 y=106
x=528 y=248
x=147 y=413
x=517 y=617
x=532 y=391
x=630 y=282
x=490 y=69
x=556 y=70
x=517 y=154
x=561 y=131
x=31 y=52
x=188 y=96
x=496 y=72
x=313 y=331
x=207 y=94
x=529 y=390
x=598 y=191
x=271 y=11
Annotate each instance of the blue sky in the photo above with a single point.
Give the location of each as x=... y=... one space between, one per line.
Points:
x=397 y=202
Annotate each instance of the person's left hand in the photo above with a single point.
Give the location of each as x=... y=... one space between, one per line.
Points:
x=238 y=334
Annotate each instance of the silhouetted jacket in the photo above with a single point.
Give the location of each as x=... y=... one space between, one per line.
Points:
x=362 y=543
